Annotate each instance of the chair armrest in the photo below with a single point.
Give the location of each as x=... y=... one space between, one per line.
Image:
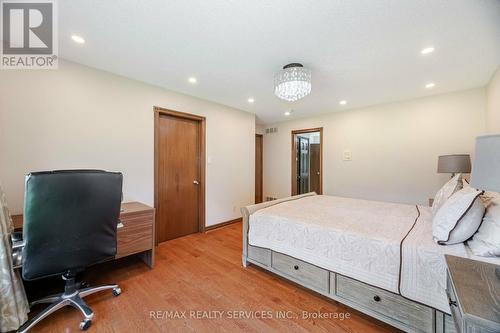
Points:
x=17 y=248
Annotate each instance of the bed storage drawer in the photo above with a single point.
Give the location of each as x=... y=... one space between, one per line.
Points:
x=306 y=274
x=416 y=316
x=260 y=255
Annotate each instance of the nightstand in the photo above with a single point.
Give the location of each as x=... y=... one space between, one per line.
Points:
x=473 y=291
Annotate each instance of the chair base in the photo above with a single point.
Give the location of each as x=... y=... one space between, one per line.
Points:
x=72 y=296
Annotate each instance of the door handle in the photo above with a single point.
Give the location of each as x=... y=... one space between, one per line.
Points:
x=196 y=182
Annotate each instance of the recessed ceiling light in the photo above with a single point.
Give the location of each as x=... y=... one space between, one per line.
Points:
x=192 y=80
x=343 y=102
x=78 y=39
x=287 y=113
x=430 y=85
x=427 y=50
x=251 y=100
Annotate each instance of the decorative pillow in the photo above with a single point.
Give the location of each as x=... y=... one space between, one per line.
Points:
x=453 y=185
x=486 y=242
x=459 y=218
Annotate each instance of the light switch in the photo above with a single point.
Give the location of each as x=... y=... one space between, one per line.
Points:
x=347 y=156
x=209 y=159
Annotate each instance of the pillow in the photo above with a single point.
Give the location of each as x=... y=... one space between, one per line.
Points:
x=453 y=185
x=486 y=242
x=459 y=217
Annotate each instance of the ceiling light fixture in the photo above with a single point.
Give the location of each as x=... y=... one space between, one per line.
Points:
x=78 y=39
x=293 y=82
x=427 y=50
x=251 y=100
x=287 y=113
x=192 y=80
x=430 y=85
x=343 y=102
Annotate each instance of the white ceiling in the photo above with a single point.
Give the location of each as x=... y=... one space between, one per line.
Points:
x=364 y=51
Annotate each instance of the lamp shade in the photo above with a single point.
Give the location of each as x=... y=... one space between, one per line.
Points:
x=486 y=171
x=458 y=163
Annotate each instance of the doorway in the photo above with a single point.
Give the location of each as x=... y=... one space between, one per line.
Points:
x=179 y=174
x=307 y=157
x=258 y=168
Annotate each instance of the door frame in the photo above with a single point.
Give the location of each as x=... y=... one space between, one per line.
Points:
x=294 y=160
x=261 y=180
x=159 y=111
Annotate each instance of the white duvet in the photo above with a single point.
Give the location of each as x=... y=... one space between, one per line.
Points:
x=363 y=240
x=423 y=270
x=356 y=238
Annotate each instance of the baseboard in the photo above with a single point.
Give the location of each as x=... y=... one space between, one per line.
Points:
x=222 y=224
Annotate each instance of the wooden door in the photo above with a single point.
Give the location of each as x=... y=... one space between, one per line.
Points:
x=178 y=176
x=315 y=172
x=297 y=185
x=258 y=168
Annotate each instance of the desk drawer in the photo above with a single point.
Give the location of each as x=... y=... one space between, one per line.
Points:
x=136 y=234
x=416 y=316
x=309 y=275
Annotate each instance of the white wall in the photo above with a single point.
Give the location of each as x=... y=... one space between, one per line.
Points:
x=493 y=104
x=260 y=129
x=394 y=147
x=78 y=117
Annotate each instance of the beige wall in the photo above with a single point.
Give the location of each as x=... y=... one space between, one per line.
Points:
x=260 y=129
x=493 y=104
x=394 y=147
x=78 y=117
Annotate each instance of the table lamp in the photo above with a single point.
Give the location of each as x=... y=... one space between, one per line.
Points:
x=456 y=163
x=486 y=169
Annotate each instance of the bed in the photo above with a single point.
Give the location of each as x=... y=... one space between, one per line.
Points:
x=376 y=257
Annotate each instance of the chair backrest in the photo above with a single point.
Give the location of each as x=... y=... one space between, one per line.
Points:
x=70 y=220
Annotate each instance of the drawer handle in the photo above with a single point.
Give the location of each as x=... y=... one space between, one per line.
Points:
x=376 y=298
x=296 y=267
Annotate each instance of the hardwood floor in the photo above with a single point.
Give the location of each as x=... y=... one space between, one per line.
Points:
x=203 y=272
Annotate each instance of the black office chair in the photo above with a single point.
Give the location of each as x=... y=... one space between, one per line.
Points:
x=70 y=220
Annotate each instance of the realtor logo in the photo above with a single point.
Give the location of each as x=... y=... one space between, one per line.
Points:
x=29 y=34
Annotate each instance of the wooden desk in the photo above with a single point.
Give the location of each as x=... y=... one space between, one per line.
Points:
x=17 y=220
x=135 y=234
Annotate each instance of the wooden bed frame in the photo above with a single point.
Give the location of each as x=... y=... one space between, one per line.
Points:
x=383 y=305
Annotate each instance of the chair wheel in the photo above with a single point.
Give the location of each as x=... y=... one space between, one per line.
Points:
x=85 y=324
x=116 y=291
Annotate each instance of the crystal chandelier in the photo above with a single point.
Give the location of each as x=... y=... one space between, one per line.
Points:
x=293 y=82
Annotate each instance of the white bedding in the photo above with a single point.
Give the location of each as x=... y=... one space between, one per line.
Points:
x=423 y=271
x=357 y=238
x=362 y=240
